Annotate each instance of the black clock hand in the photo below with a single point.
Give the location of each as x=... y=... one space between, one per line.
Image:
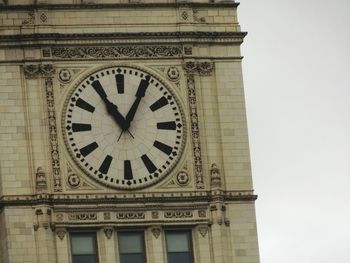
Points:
x=112 y=109
x=139 y=95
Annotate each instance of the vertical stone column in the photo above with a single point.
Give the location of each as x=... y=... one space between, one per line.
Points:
x=154 y=237
x=221 y=236
x=201 y=246
x=62 y=245
x=107 y=245
x=44 y=236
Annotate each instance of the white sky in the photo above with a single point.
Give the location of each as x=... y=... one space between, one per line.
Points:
x=297 y=84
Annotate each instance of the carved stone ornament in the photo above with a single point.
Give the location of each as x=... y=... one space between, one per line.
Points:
x=82 y=216
x=184 y=15
x=106 y=215
x=202 y=213
x=155 y=215
x=195 y=131
x=173 y=74
x=131 y=215
x=73 y=180
x=182 y=178
x=40 y=176
x=61 y=232
x=43 y=17
x=156 y=232
x=59 y=217
x=64 y=75
x=197 y=18
x=30 y=19
x=38 y=70
x=108 y=232
x=203 y=68
x=215 y=178
x=203 y=230
x=178 y=214
x=112 y=52
x=50 y=99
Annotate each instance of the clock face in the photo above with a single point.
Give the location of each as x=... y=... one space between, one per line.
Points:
x=124 y=127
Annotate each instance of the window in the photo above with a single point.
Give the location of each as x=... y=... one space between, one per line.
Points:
x=131 y=247
x=179 y=246
x=84 y=248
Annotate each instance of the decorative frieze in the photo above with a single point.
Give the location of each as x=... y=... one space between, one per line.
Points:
x=82 y=216
x=112 y=52
x=130 y=215
x=178 y=214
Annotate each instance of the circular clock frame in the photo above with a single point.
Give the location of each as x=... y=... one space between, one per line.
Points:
x=174 y=106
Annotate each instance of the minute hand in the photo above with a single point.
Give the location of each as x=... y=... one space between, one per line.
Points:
x=141 y=91
x=112 y=109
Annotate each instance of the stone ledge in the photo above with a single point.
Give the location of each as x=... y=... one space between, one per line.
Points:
x=118 y=5
x=127 y=198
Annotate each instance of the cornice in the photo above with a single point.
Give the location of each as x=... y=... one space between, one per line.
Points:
x=118 y=6
x=122 y=35
x=132 y=199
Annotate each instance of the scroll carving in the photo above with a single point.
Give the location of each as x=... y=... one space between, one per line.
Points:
x=151 y=51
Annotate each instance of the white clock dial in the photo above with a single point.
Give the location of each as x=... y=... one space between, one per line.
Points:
x=124 y=127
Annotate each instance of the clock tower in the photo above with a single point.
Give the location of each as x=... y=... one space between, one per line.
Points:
x=123 y=133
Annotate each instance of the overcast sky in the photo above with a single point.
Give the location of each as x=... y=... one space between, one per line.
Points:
x=297 y=84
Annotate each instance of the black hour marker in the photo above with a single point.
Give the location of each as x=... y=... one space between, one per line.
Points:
x=159 y=104
x=80 y=127
x=119 y=78
x=106 y=164
x=163 y=147
x=169 y=125
x=127 y=170
x=85 y=151
x=84 y=105
x=148 y=163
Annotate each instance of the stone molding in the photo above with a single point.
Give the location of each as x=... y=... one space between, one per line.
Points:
x=93 y=199
x=120 y=38
x=118 y=5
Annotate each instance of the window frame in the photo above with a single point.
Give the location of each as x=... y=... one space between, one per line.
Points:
x=143 y=239
x=84 y=233
x=190 y=243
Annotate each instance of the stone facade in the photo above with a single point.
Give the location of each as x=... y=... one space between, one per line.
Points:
x=46 y=48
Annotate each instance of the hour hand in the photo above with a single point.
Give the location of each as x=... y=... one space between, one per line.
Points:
x=112 y=109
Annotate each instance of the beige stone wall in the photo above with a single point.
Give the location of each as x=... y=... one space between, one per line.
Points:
x=35 y=222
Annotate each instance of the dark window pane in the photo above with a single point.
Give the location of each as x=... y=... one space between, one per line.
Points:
x=178 y=241
x=179 y=246
x=131 y=247
x=130 y=242
x=83 y=247
x=179 y=257
x=82 y=244
x=84 y=259
x=132 y=258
